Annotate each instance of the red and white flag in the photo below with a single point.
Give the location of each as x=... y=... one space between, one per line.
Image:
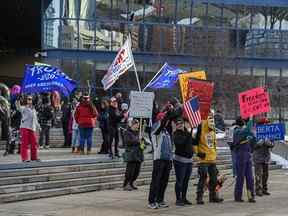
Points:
x=123 y=61
x=192 y=110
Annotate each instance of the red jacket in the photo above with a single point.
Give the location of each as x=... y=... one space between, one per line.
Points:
x=86 y=115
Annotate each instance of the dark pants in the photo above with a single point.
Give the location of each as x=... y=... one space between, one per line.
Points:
x=67 y=136
x=132 y=172
x=45 y=132
x=233 y=155
x=159 y=182
x=244 y=171
x=183 y=172
x=105 y=143
x=203 y=171
x=113 y=136
x=85 y=135
x=261 y=176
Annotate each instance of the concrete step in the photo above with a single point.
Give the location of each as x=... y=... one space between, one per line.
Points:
x=79 y=189
x=14 y=181
x=52 y=167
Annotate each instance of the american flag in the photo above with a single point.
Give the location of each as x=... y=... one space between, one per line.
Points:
x=192 y=110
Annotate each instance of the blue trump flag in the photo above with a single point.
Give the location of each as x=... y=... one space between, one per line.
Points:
x=271 y=131
x=42 y=78
x=167 y=78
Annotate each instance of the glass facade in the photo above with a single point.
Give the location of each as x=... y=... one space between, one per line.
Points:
x=240 y=44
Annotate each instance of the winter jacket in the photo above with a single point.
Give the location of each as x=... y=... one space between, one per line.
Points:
x=114 y=117
x=104 y=119
x=244 y=139
x=29 y=118
x=86 y=115
x=206 y=143
x=133 y=152
x=183 y=143
x=45 y=115
x=262 y=151
x=161 y=141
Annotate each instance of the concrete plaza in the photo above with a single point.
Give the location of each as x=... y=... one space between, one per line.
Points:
x=121 y=203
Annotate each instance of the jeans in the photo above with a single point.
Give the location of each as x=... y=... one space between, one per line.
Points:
x=85 y=135
x=75 y=137
x=45 y=132
x=159 y=182
x=203 y=171
x=183 y=172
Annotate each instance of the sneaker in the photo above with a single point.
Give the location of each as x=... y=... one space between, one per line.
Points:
x=180 y=203
x=41 y=147
x=252 y=200
x=134 y=187
x=266 y=193
x=46 y=147
x=163 y=205
x=26 y=161
x=187 y=202
x=153 y=205
x=127 y=188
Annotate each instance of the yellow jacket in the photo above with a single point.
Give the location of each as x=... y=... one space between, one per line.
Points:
x=207 y=143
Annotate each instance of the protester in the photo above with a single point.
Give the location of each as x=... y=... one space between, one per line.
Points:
x=206 y=152
x=75 y=129
x=261 y=159
x=235 y=125
x=85 y=117
x=114 y=120
x=124 y=121
x=162 y=162
x=67 y=122
x=244 y=141
x=104 y=125
x=28 y=128
x=183 y=142
x=45 y=114
x=133 y=155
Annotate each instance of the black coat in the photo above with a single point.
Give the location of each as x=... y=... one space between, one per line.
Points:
x=133 y=152
x=183 y=142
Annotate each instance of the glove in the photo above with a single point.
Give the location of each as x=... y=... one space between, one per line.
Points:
x=142 y=144
x=201 y=155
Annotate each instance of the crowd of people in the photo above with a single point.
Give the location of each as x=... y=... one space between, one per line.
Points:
x=174 y=143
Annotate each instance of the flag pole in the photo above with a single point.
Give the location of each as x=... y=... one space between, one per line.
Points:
x=135 y=69
x=154 y=77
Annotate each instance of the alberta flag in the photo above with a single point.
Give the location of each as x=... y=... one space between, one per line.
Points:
x=167 y=78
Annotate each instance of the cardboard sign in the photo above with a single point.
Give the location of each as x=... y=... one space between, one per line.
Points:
x=204 y=91
x=254 y=102
x=141 y=104
x=184 y=78
x=271 y=132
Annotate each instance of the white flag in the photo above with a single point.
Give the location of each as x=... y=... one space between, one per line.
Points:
x=123 y=61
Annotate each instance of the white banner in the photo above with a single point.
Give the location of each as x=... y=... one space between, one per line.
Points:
x=123 y=61
x=141 y=104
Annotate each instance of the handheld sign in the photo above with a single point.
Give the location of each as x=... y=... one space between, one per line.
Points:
x=204 y=91
x=254 y=102
x=141 y=104
x=270 y=131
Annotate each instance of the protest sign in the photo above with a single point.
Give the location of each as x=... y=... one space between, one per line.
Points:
x=254 y=102
x=141 y=104
x=204 y=91
x=183 y=81
x=270 y=131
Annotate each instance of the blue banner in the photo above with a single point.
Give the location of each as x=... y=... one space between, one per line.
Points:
x=41 y=78
x=167 y=78
x=271 y=131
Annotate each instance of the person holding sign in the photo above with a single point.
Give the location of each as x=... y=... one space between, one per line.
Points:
x=261 y=159
x=243 y=140
x=133 y=155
